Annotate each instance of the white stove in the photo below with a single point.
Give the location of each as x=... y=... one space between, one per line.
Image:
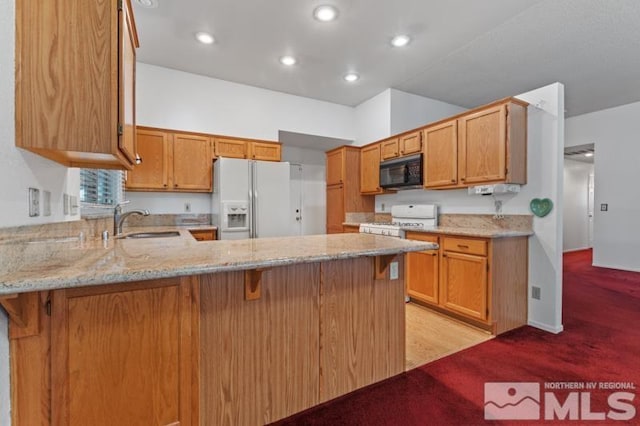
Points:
x=410 y=216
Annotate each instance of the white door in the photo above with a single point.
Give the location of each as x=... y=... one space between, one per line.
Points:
x=295 y=193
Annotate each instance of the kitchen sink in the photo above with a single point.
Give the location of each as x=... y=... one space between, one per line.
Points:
x=159 y=234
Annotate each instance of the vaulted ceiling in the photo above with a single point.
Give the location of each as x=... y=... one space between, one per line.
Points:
x=465 y=52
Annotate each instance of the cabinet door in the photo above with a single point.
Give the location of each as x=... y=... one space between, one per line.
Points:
x=231 y=148
x=335 y=208
x=422 y=275
x=192 y=163
x=464 y=284
x=127 y=80
x=483 y=146
x=411 y=143
x=389 y=149
x=370 y=169
x=122 y=354
x=349 y=229
x=265 y=151
x=335 y=166
x=441 y=155
x=203 y=234
x=152 y=173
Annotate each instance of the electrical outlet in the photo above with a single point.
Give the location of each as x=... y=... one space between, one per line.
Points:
x=393 y=271
x=34 y=202
x=187 y=207
x=46 y=203
x=535 y=292
x=382 y=207
x=604 y=207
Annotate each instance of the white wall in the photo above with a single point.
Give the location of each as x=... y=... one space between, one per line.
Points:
x=178 y=100
x=575 y=235
x=20 y=169
x=544 y=162
x=373 y=119
x=409 y=111
x=614 y=131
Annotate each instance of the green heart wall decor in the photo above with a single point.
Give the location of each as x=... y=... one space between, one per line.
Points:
x=541 y=207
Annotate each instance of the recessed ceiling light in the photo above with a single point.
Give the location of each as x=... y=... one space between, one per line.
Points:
x=288 y=60
x=400 y=40
x=588 y=154
x=325 y=13
x=351 y=77
x=204 y=38
x=147 y=3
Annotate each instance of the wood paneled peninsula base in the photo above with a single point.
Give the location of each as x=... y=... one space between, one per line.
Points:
x=245 y=346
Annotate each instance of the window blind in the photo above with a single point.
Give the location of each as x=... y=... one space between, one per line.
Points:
x=99 y=187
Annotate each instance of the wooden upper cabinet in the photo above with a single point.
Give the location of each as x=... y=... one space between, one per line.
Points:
x=370 y=169
x=153 y=172
x=411 y=143
x=441 y=155
x=174 y=162
x=335 y=166
x=493 y=145
x=75 y=76
x=265 y=151
x=192 y=164
x=231 y=148
x=389 y=149
x=127 y=86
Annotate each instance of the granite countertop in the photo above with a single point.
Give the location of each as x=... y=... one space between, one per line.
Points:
x=464 y=231
x=472 y=232
x=46 y=264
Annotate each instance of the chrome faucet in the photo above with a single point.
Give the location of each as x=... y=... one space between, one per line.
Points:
x=119 y=218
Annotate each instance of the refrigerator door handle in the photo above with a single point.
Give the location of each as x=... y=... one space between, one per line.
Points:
x=254 y=185
x=250 y=171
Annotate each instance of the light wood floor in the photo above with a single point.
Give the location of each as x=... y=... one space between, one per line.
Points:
x=431 y=335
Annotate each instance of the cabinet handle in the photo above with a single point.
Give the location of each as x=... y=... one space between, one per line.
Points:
x=453 y=181
x=175 y=185
x=463 y=246
x=165 y=185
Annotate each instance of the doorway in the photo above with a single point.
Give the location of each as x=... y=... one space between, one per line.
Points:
x=578 y=198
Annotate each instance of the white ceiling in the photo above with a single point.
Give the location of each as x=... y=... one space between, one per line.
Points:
x=465 y=52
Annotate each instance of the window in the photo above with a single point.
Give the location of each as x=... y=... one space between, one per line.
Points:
x=99 y=189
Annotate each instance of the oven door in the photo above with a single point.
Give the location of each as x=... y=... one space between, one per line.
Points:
x=401 y=173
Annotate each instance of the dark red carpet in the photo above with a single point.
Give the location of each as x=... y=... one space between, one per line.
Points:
x=601 y=343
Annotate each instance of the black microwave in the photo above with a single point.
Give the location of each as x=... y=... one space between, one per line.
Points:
x=401 y=173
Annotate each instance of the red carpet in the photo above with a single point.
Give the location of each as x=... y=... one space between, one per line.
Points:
x=601 y=343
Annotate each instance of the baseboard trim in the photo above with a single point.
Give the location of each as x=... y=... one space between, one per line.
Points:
x=546 y=327
x=621 y=268
x=577 y=249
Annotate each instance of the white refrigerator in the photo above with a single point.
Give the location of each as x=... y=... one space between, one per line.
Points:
x=251 y=198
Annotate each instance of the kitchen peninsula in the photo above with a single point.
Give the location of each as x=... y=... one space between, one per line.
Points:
x=172 y=331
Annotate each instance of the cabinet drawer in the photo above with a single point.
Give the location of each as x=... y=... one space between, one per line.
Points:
x=421 y=236
x=464 y=245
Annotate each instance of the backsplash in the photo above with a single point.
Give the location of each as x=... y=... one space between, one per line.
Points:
x=516 y=222
x=93 y=227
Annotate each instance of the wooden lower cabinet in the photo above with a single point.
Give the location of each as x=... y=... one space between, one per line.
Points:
x=350 y=229
x=197 y=351
x=335 y=208
x=422 y=271
x=482 y=281
x=464 y=284
x=122 y=354
x=204 y=234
